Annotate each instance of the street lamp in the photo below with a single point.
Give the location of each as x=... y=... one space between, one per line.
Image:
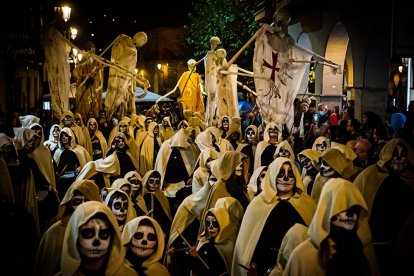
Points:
x=159 y=66
x=65 y=13
x=73 y=33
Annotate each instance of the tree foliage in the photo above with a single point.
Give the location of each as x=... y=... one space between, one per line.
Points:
x=230 y=20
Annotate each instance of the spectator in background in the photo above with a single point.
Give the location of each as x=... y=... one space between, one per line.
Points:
x=363 y=151
x=352 y=128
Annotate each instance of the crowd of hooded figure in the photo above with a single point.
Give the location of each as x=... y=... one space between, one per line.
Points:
x=150 y=198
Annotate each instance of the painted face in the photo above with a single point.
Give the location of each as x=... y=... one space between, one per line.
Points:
x=239 y=169
x=305 y=162
x=64 y=138
x=136 y=184
x=153 y=183
x=250 y=135
x=123 y=128
x=126 y=188
x=92 y=126
x=212 y=226
x=77 y=200
x=322 y=146
x=225 y=123
x=399 y=159
x=272 y=133
x=285 y=181
x=346 y=219
x=78 y=121
x=326 y=170
x=94 y=239
x=144 y=241
x=283 y=152
x=55 y=132
x=67 y=121
x=120 y=142
x=120 y=208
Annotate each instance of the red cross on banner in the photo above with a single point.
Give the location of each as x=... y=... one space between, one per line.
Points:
x=273 y=66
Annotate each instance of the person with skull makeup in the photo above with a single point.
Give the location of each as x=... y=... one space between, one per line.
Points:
x=53 y=142
x=203 y=171
x=284 y=149
x=340 y=236
x=78 y=120
x=248 y=145
x=309 y=160
x=123 y=126
x=387 y=187
x=214 y=243
x=230 y=170
x=265 y=149
x=149 y=149
x=68 y=120
x=50 y=247
x=99 y=144
x=224 y=126
x=166 y=129
x=255 y=183
x=104 y=125
x=127 y=161
x=175 y=161
x=70 y=159
x=123 y=185
x=321 y=144
x=333 y=163
x=92 y=243
x=282 y=203
x=137 y=193
x=144 y=242
x=120 y=204
x=156 y=202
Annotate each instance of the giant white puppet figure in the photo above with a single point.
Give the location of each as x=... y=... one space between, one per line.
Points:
x=121 y=88
x=277 y=75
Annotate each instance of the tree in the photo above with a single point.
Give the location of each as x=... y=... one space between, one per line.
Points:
x=231 y=20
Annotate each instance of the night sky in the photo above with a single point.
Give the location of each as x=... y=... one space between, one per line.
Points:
x=111 y=18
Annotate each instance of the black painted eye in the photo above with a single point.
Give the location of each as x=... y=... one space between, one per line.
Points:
x=151 y=237
x=138 y=235
x=104 y=234
x=281 y=173
x=87 y=233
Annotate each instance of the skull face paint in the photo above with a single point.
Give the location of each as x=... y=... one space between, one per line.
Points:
x=94 y=239
x=92 y=127
x=65 y=138
x=283 y=153
x=399 y=159
x=321 y=147
x=55 y=132
x=77 y=200
x=123 y=128
x=120 y=142
x=67 y=121
x=250 y=135
x=225 y=123
x=273 y=133
x=346 y=219
x=154 y=182
x=212 y=225
x=305 y=162
x=326 y=170
x=119 y=207
x=144 y=241
x=78 y=121
x=285 y=181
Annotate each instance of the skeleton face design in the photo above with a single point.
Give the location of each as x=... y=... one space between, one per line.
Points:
x=285 y=181
x=283 y=152
x=67 y=121
x=65 y=138
x=272 y=133
x=144 y=241
x=123 y=128
x=55 y=132
x=399 y=159
x=212 y=225
x=250 y=135
x=136 y=184
x=94 y=239
x=322 y=146
x=239 y=169
x=153 y=183
x=120 y=142
x=120 y=208
x=305 y=162
x=78 y=121
x=92 y=126
x=77 y=200
x=346 y=219
x=326 y=170
x=225 y=123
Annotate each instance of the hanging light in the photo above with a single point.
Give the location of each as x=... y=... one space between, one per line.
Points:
x=73 y=33
x=159 y=66
x=65 y=13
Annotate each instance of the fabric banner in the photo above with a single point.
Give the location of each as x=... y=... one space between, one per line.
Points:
x=57 y=71
x=276 y=73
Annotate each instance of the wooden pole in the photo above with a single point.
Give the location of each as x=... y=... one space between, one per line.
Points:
x=189 y=245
